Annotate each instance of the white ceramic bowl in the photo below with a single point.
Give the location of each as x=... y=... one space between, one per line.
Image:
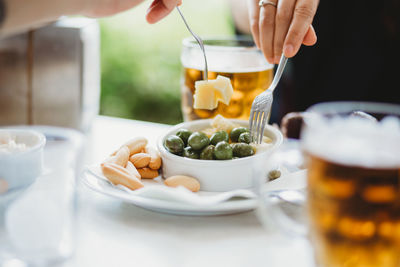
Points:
x=219 y=175
x=20 y=169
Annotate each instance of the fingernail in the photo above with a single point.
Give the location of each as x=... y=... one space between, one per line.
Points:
x=277 y=58
x=270 y=61
x=288 y=50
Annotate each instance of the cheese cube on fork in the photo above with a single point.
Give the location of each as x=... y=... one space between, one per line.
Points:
x=209 y=93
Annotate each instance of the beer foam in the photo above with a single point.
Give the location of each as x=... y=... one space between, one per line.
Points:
x=225 y=61
x=354 y=141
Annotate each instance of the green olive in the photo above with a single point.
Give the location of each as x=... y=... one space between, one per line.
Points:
x=236 y=132
x=208 y=153
x=184 y=135
x=274 y=174
x=189 y=152
x=242 y=150
x=174 y=144
x=245 y=138
x=223 y=151
x=198 y=140
x=218 y=137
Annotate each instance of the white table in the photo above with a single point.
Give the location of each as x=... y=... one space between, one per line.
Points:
x=113 y=233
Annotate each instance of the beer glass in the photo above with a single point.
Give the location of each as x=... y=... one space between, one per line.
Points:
x=352 y=207
x=235 y=58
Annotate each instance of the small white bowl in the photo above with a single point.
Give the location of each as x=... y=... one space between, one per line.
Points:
x=219 y=175
x=19 y=169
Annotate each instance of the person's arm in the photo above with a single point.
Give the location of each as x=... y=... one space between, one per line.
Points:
x=25 y=14
x=21 y=15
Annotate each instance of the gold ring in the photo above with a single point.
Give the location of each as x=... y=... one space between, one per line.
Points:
x=266 y=2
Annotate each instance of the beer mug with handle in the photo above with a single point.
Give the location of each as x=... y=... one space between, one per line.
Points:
x=350 y=210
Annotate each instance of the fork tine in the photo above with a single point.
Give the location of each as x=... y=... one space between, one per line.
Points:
x=251 y=120
x=264 y=121
x=254 y=125
x=259 y=122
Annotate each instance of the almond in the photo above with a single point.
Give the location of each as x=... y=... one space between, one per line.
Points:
x=132 y=170
x=148 y=173
x=140 y=160
x=181 y=180
x=155 y=162
x=122 y=156
x=119 y=175
x=135 y=145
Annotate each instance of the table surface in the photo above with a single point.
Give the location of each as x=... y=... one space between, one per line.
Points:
x=114 y=233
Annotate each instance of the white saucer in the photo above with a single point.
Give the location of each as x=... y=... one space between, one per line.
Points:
x=227 y=207
x=288 y=156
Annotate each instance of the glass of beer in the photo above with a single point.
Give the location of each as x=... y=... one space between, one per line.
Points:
x=236 y=58
x=352 y=150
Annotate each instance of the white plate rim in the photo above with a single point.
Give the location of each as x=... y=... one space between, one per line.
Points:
x=227 y=207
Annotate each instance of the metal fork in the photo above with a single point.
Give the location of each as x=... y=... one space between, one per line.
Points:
x=200 y=42
x=261 y=108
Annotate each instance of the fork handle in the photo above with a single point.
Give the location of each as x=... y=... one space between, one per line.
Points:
x=278 y=74
x=199 y=41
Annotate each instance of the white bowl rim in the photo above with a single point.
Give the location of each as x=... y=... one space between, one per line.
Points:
x=40 y=144
x=214 y=163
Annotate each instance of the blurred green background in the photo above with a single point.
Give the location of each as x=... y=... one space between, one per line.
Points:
x=140 y=63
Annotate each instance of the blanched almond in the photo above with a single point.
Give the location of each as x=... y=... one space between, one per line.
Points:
x=122 y=156
x=114 y=166
x=148 y=173
x=119 y=175
x=140 y=160
x=181 y=180
x=155 y=162
x=135 y=145
x=132 y=170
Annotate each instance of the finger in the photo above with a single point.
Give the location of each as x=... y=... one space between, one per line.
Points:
x=266 y=26
x=283 y=19
x=160 y=9
x=254 y=15
x=311 y=37
x=303 y=15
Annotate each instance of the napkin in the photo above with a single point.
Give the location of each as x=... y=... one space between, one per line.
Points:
x=155 y=189
x=290 y=181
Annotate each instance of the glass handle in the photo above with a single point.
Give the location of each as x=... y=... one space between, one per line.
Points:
x=285 y=210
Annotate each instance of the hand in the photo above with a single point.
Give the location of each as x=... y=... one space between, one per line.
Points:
x=283 y=28
x=161 y=8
